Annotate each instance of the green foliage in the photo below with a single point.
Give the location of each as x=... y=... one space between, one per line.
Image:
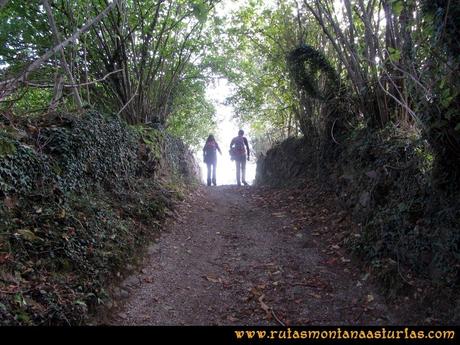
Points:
x=395 y=54
x=254 y=46
x=102 y=148
x=166 y=155
x=7 y=146
x=64 y=251
x=408 y=234
x=21 y=168
x=443 y=16
x=66 y=156
x=79 y=200
x=441 y=114
x=305 y=65
x=192 y=117
x=157 y=44
x=24 y=33
x=30 y=102
x=153 y=139
x=179 y=160
x=200 y=10
x=397 y=7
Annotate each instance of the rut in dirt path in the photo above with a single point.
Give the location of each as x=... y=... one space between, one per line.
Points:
x=231 y=259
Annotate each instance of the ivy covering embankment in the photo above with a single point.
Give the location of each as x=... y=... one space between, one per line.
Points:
x=80 y=198
x=406 y=229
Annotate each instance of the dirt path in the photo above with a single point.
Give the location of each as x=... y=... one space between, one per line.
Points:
x=245 y=256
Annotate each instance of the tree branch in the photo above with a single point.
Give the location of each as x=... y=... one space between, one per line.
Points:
x=64 y=64
x=75 y=85
x=11 y=84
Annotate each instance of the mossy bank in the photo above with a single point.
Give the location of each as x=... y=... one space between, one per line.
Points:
x=81 y=196
x=406 y=224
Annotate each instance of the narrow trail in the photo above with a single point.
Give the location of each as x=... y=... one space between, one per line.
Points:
x=251 y=256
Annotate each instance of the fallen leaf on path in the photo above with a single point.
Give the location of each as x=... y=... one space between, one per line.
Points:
x=214 y=280
x=231 y=318
x=26 y=234
x=264 y=306
x=332 y=261
x=315 y=295
x=9 y=202
x=4 y=257
x=256 y=292
x=279 y=214
x=370 y=298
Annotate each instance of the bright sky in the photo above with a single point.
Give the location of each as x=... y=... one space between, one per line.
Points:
x=227 y=129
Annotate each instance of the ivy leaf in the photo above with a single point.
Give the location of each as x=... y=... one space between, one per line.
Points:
x=27 y=234
x=83 y=304
x=6 y=147
x=397 y=6
x=19 y=300
x=395 y=54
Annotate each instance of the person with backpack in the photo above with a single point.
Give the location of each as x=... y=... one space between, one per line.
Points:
x=238 y=148
x=210 y=158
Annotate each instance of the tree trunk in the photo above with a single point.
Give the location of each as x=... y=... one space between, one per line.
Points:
x=57 y=92
x=64 y=63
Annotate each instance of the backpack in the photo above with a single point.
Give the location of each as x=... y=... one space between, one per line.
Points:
x=210 y=151
x=210 y=148
x=238 y=148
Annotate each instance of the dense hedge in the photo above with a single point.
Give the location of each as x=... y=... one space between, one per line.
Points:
x=408 y=229
x=80 y=198
x=70 y=155
x=406 y=223
x=284 y=164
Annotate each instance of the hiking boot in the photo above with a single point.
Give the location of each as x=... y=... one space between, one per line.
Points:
x=245 y=183
x=214 y=182
x=209 y=182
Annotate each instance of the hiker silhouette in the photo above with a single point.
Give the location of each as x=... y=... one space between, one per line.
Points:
x=238 y=148
x=210 y=158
